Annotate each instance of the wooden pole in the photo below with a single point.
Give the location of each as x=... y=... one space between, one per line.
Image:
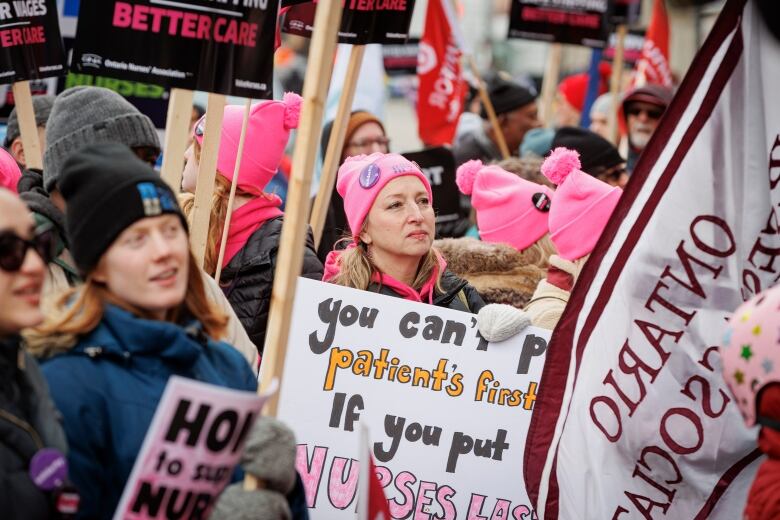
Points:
x=333 y=153
x=615 y=82
x=552 y=72
x=233 y=186
x=483 y=95
x=290 y=258
x=177 y=131
x=28 y=129
x=207 y=173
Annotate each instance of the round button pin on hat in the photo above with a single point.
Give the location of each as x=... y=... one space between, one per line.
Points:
x=369 y=176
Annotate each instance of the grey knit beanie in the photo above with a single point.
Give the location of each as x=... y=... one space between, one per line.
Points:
x=88 y=115
x=42 y=108
x=235 y=503
x=269 y=454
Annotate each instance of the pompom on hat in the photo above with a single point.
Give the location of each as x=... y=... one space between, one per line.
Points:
x=267 y=134
x=9 y=171
x=510 y=209
x=362 y=177
x=581 y=206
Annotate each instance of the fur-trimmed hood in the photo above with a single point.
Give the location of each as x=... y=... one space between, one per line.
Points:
x=499 y=272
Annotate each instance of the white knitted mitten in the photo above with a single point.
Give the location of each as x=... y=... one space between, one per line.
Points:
x=497 y=322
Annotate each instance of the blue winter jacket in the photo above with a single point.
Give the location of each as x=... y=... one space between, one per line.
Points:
x=108 y=387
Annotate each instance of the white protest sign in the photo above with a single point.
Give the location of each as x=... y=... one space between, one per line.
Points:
x=190 y=450
x=447 y=412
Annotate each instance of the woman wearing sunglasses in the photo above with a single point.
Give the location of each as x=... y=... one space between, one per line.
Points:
x=256 y=221
x=141 y=316
x=28 y=419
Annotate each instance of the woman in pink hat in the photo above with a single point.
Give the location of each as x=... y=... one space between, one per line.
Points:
x=256 y=222
x=388 y=203
x=580 y=210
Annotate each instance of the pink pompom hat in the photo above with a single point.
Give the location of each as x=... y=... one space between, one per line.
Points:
x=9 y=171
x=509 y=208
x=362 y=177
x=267 y=134
x=581 y=206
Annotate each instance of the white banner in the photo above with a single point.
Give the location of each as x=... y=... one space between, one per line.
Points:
x=447 y=412
x=635 y=420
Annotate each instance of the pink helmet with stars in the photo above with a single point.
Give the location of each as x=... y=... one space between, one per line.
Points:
x=751 y=351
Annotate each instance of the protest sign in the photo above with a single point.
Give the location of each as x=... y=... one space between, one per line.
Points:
x=190 y=451
x=632 y=46
x=400 y=59
x=30 y=43
x=633 y=394
x=194 y=45
x=438 y=165
x=447 y=411
x=580 y=22
x=362 y=22
x=625 y=12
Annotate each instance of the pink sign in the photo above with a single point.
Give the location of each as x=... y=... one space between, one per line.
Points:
x=190 y=451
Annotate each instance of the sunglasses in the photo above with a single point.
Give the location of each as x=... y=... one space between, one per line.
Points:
x=651 y=113
x=13 y=249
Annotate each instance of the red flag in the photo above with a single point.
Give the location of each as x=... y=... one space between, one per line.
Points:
x=653 y=65
x=442 y=89
x=373 y=502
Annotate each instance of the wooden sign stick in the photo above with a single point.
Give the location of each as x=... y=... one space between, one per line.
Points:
x=333 y=153
x=207 y=173
x=177 y=131
x=483 y=95
x=615 y=82
x=552 y=72
x=233 y=186
x=28 y=129
x=290 y=258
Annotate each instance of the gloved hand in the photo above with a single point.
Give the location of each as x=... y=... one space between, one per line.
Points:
x=497 y=322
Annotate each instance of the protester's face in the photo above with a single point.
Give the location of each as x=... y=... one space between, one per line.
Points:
x=20 y=288
x=190 y=177
x=599 y=124
x=401 y=222
x=642 y=119
x=516 y=123
x=617 y=176
x=17 y=147
x=565 y=113
x=147 y=265
x=367 y=139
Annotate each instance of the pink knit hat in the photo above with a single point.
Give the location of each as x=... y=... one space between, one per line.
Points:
x=267 y=133
x=581 y=205
x=510 y=209
x=362 y=177
x=9 y=171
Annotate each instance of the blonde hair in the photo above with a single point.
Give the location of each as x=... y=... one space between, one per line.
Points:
x=356 y=269
x=539 y=252
x=79 y=311
x=219 y=206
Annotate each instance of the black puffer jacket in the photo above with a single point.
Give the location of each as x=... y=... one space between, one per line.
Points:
x=28 y=422
x=248 y=279
x=458 y=294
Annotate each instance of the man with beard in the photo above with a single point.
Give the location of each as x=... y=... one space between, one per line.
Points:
x=643 y=108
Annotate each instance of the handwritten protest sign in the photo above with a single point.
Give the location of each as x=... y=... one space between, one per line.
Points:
x=30 y=43
x=445 y=408
x=225 y=48
x=580 y=22
x=362 y=22
x=193 y=444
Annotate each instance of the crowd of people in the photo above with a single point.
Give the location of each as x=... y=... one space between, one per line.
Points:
x=103 y=301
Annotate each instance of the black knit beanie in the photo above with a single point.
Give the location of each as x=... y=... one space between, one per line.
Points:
x=507 y=96
x=595 y=151
x=107 y=189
